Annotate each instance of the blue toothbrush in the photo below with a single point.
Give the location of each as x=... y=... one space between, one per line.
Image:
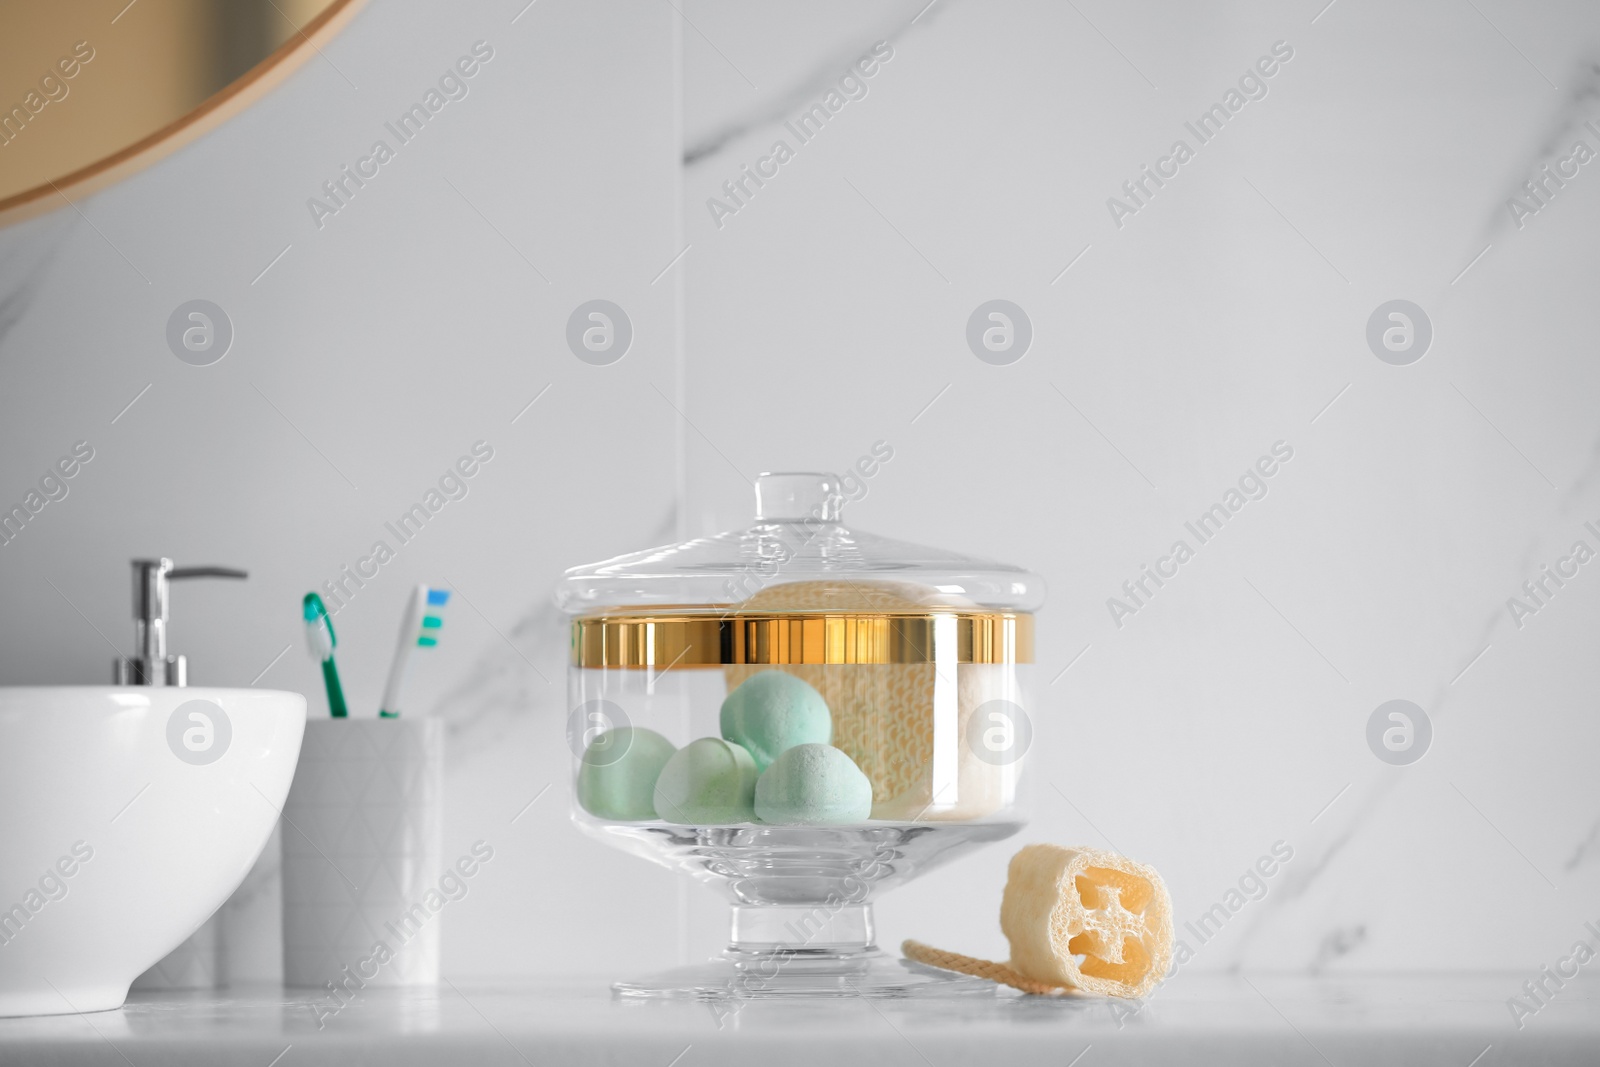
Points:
x=419 y=628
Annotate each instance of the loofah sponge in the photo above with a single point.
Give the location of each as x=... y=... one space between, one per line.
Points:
x=1065 y=903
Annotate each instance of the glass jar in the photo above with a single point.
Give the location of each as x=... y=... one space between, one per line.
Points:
x=803 y=715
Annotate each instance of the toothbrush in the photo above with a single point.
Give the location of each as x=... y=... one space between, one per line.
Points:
x=320 y=640
x=419 y=628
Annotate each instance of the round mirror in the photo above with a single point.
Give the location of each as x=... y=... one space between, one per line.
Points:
x=94 y=89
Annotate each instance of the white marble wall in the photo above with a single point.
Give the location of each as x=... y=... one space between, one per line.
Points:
x=1224 y=316
x=828 y=313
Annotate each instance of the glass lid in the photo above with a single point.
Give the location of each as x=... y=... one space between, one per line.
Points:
x=797 y=558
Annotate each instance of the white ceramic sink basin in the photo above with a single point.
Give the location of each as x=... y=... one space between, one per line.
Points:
x=127 y=816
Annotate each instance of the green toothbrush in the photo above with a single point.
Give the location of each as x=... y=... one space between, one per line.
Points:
x=320 y=640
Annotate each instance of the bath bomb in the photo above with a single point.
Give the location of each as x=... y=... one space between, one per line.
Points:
x=813 y=785
x=707 y=782
x=773 y=711
x=617 y=776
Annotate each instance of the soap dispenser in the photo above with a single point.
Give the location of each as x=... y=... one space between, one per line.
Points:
x=200 y=962
x=152 y=665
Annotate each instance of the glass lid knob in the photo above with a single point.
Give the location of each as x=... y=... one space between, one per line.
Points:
x=797 y=496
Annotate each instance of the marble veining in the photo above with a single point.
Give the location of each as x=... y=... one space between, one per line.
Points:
x=819 y=77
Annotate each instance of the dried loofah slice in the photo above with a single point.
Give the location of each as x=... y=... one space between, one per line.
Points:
x=1065 y=903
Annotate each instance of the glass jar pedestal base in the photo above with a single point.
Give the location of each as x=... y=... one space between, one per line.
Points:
x=821 y=951
x=802 y=918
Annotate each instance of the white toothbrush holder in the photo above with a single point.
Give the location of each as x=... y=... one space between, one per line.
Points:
x=361 y=846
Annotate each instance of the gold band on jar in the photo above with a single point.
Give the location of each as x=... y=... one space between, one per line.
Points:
x=673 y=641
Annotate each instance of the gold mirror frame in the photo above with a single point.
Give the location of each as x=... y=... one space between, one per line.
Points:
x=218 y=108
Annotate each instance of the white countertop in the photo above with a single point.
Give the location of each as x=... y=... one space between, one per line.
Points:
x=1452 y=1021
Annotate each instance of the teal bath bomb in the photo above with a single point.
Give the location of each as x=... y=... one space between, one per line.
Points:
x=706 y=783
x=617 y=776
x=773 y=711
x=813 y=785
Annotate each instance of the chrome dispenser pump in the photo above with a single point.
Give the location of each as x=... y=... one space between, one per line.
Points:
x=151 y=665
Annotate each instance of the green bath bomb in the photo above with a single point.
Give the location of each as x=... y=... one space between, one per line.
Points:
x=813 y=785
x=706 y=783
x=773 y=711
x=617 y=776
